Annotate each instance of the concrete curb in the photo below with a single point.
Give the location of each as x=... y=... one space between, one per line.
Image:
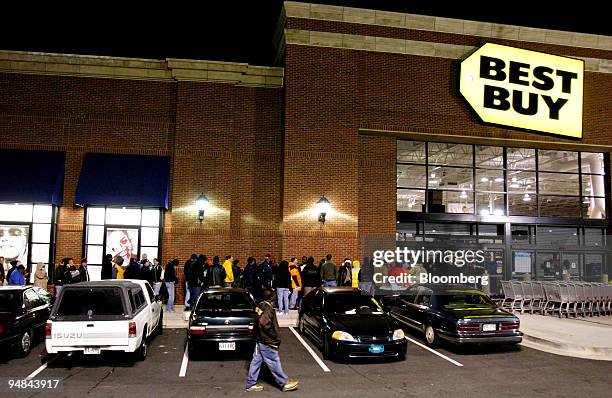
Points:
x=559 y=348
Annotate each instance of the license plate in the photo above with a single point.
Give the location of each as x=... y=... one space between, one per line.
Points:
x=489 y=327
x=91 y=350
x=227 y=346
x=377 y=348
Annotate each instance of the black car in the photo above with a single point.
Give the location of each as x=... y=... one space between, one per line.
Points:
x=456 y=314
x=222 y=320
x=24 y=311
x=348 y=322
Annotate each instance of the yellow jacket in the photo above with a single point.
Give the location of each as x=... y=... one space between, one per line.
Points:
x=119 y=271
x=294 y=271
x=229 y=273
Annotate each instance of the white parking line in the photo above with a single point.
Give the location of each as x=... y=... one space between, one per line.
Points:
x=434 y=351
x=310 y=350
x=183 y=370
x=41 y=368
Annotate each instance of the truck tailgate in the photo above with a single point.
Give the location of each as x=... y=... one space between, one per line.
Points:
x=92 y=333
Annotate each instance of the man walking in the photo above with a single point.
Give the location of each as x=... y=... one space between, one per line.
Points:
x=328 y=272
x=267 y=341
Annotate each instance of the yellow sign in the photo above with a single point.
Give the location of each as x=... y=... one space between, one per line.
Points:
x=525 y=89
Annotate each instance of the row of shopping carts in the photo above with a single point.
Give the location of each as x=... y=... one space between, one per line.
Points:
x=561 y=298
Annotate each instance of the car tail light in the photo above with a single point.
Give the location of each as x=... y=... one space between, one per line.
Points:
x=1 y=329
x=468 y=327
x=197 y=330
x=250 y=329
x=132 y=329
x=48 y=328
x=510 y=325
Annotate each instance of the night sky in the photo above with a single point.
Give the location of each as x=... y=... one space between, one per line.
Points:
x=239 y=31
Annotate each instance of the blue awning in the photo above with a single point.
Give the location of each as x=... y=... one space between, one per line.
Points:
x=32 y=176
x=123 y=180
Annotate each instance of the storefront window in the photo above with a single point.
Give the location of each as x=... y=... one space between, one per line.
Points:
x=489 y=157
x=561 y=161
x=411 y=176
x=120 y=231
x=523 y=234
x=411 y=151
x=560 y=206
x=558 y=184
x=410 y=200
x=521 y=158
x=488 y=203
x=592 y=163
x=446 y=154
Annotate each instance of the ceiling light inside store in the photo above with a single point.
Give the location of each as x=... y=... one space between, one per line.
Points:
x=498 y=212
x=484 y=179
x=526 y=198
x=499 y=179
x=463 y=195
x=484 y=212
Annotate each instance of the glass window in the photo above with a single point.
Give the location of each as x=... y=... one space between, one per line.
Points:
x=490 y=180
x=592 y=163
x=16 y=212
x=490 y=157
x=408 y=232
x=94 y=254
x=451 y=202
x=149 y=236
x=446 y=232
x=558 y=184
x=95 y=215
x=490 y=204
x=411 y=176
x=410 y=200
x=95 y=234
x=40 y=253
x=594 y=208
x=491 y=233
x=570 y=264
x=593 y=237
x=411 y=151
x=151 y=252
x=564 y=161
x=522 y=181
x=521 y=158
x=92 y=303
x=150 y=217
x=594 y=267
x=450 y=154
x=123 y=216
x=41 y=233
x=522 y=262
x=557 y=236
x=522 y=205
x=523 y=234
x=43 y=213
x=560 y=206
x=548 y=266
x=593 y=185
x=448 y=178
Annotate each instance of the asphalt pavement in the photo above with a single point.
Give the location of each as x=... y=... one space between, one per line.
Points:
x=443 y=372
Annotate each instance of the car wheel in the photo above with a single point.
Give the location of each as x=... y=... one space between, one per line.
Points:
x=141 y=353
x=24 y=345
x=431 y=338
x=326 y=350
x=301 y=325
x=159 y=330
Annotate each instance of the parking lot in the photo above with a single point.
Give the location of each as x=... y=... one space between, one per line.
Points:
x=443 y=372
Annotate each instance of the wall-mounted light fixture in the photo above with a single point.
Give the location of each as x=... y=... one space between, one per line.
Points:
x=202 y=205
x=323 y=207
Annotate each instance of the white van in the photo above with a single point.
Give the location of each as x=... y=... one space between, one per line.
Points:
x=110 y=315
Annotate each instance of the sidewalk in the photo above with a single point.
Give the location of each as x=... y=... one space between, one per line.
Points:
x=179 y=318
x=589 y=337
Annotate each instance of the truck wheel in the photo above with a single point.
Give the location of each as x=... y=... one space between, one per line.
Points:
x=141 y=353
x=24 y=344
x=326 y=350
x=159 y=329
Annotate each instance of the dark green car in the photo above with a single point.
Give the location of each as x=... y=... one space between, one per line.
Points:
x=222 y=321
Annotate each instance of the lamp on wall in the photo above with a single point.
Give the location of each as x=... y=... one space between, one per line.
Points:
x=202 y=205
x=323 y=207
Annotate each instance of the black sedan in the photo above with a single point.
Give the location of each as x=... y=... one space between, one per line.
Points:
x=349 y=323
x=24 y=311
x=456 y=314
x=222 y=320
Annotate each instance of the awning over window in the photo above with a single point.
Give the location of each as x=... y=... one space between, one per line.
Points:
x=124 y=180
x=32 y=176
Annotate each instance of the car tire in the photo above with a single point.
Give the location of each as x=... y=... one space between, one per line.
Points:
x=24 y=344
x=192 y=353
x=159 y=329
x=326 y=350
x=141 y=353
x=301 y=326
x=431 y=337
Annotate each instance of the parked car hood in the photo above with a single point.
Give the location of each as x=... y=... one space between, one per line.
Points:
x=476 y=313
x=360 y=325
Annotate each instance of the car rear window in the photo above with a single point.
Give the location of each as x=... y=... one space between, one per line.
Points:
x=91 y=302
x=225 y=301
x=352 y=304
x=464 y=301
x=8 y=301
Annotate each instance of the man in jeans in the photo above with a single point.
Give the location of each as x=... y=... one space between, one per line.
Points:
x=328 y=272
x=267 y=341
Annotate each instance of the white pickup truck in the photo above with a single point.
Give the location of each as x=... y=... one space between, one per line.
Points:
x=111 y=315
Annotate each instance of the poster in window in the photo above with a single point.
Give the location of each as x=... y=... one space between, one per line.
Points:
x=14 y=243
x=122 y=242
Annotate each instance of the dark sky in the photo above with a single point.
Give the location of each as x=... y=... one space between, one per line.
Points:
x=241 y=31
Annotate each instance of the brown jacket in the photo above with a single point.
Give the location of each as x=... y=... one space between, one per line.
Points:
x=266 y=330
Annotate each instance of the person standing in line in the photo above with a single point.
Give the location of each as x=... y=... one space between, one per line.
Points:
x=303 y=264
x=267 y=342
x=266 y=275
x=2 y=273
x=132 y=271
x=311 y=276
x=229 y=272
x=365 y=276
x=83 y=272
x=107 y=267
x=345 y=273
x=17 y=277
x=283 y=287
x=14 y=266
x=216 y=274
x=146 y=273
x=71 y=273
x=170 y=280
x=196 y=279
x=156 y=273
x=296 y=283
x=58 y=275
x=186 y=276
x=40 y=276
x=237 y=272
x=118 y=268
x=250 y=278
x=328 y=272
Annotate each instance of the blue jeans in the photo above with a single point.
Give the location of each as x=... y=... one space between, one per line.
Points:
x=58 y=289
x=330 y=283
x=269 y=355
x=187 y=295
x=194 y=292
x=293 y=298
x=227 y=284
x=283 y=299
x=170 y=288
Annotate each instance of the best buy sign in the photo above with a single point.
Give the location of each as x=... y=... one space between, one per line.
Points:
x=525 y=89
